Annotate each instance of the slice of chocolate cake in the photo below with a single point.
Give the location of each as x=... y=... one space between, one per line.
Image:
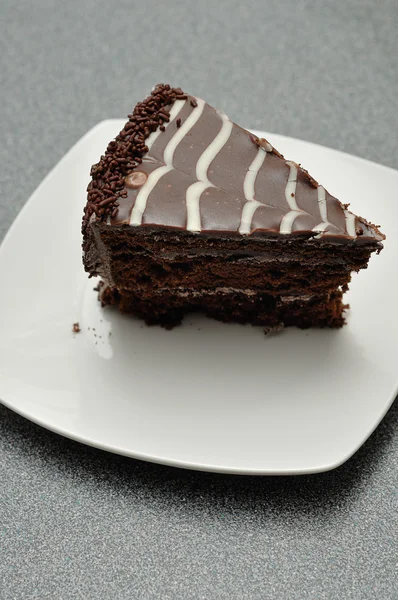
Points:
x=188 y=211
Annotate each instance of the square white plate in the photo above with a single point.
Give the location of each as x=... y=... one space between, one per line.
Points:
x=206 y=395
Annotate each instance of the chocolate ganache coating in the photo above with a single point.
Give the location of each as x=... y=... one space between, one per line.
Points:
x=181 y=164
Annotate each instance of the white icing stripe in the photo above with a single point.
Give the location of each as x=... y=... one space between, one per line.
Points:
x=350 y=223
x=248 y=211
x=248 y=189
x=290 y=195
x=195 y=115
x=168 y=155
x=322 y=210
x=210 y=153
x=288 y=220
x=206 y=158
x=290 y=191
x=322 y=203
x=321 y=227
x=251 y=175
x=175 y=109
x=193 y=195
x=142 y=196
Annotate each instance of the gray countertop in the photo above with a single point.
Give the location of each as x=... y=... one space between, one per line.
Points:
x=79 y=523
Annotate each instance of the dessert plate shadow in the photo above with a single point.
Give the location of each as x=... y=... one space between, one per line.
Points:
x=206 y=396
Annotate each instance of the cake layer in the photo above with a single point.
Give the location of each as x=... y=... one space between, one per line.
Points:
x=167 y=308
x=128 y=243
x=147 y=260
x=145 y=273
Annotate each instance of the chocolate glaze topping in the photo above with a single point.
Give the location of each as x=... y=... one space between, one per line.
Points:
x=181 y=164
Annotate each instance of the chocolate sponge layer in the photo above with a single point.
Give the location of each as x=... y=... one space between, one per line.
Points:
x=160 y=275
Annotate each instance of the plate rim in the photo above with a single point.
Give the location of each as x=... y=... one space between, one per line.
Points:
x=205 y=468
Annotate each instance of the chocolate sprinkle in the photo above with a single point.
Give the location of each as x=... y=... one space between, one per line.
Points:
x=178 y=122
x=124 y=153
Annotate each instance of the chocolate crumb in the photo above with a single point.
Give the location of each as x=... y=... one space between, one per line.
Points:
x=310 y=179
x=274 y=330
x=76 y=328
x=263 y=143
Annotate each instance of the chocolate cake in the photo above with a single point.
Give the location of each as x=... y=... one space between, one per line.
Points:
x=188 y=211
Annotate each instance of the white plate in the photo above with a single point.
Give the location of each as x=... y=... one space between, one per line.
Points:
x=206 y=395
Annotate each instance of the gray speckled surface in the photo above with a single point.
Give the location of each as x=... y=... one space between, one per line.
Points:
x=78 y=523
